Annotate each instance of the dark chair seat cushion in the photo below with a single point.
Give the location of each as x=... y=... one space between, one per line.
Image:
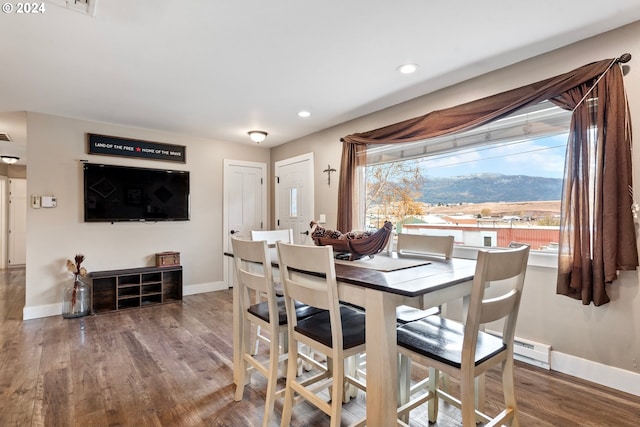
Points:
x=318 y=327
x=441 y=339
x=406 y=313
x=261 y=311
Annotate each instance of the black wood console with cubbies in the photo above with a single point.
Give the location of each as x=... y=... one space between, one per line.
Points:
x=135 y=287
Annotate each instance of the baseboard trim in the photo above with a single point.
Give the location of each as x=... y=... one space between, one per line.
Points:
x=39 y=311
x=204 y=287
x=608 y=376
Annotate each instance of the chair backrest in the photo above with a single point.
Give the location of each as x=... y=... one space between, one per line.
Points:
x=505 y=265
x=273 y=236
x=253 y=271
x=308 y=275
x=425 y=244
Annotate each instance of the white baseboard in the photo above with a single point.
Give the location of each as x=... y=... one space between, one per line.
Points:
x=39 y=311
x=204 y=287
x=609 y=376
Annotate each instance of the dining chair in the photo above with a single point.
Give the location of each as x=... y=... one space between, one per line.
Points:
x=308 y=276
x=464 y=350
x=271 y=237
x=254 y=275
x=422 y=245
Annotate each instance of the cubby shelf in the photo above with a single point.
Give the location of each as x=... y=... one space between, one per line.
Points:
x=135 y=287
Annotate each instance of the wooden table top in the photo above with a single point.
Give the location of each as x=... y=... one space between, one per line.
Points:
x=415 y=281
x=412 y=281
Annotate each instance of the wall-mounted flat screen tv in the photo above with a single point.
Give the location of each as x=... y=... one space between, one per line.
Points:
x=122 y=193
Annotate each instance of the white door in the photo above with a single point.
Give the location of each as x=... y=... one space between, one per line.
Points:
x=245 y=203
x=294 y=196
x=17 y=222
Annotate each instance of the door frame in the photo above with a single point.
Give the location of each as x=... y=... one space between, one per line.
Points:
x=4 y=222
x=228 y=164
x=285 y=162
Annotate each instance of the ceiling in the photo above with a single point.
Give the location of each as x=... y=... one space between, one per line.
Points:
x=217 y=69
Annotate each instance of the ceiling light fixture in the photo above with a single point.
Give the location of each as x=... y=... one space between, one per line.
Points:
x=304 y=113
x=9 y=159
x=257 y=136
x=407 y=68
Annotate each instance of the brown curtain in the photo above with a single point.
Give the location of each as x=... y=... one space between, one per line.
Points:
x=484 y=110
x=597 y=235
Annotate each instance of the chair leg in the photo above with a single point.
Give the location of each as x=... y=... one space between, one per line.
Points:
x=432 y=404
x=283 y=348
x=479 y=382
x=243 y=376
x=508 y=389
x=467 y=398
x=272 y=380
x=241 y=382
x=337 y=368
x=292 y=369
x=350 y=364
x=404 y=384
x=257 y=344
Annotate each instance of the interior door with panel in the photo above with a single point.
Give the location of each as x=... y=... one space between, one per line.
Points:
x=294 y=196
x=17 y=221
x=245 y=203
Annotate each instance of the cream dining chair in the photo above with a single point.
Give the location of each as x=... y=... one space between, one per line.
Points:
x=422 y=245
x=465 y=351
x=253 y=270
x=271 y=237
x=308 y=276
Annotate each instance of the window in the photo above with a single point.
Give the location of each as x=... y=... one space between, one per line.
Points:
x=489 y=186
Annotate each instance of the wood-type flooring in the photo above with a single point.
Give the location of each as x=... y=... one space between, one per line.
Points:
x=170 y=365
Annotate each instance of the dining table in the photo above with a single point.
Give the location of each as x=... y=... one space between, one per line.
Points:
x=379 y=284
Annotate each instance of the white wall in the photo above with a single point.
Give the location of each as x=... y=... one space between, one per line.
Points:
x=55 y=147
x=583 y=337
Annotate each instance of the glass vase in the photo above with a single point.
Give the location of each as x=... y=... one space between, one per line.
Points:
x=76 y=299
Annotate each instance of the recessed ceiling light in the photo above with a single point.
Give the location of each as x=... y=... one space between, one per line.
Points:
x=304 y=113
x=407 y=68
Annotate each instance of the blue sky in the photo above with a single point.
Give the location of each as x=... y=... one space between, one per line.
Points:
x=542 y=157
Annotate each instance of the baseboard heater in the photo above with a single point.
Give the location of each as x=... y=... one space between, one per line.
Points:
x=531 y=352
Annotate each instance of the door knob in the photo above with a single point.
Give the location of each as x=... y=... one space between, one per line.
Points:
x=305 y=232
x=234 y=231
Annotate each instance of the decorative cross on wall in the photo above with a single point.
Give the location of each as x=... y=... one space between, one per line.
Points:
x=328 y=170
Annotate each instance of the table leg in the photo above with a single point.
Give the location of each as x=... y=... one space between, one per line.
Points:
x=382 y=359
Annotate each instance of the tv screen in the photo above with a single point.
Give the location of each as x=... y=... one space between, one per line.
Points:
x=121 y=193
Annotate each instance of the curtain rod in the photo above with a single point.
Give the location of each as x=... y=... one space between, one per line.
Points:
x=622 y=59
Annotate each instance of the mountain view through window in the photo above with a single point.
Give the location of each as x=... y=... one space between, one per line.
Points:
x=498 y=189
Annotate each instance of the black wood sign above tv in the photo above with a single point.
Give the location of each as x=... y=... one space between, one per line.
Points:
x=123 y=147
